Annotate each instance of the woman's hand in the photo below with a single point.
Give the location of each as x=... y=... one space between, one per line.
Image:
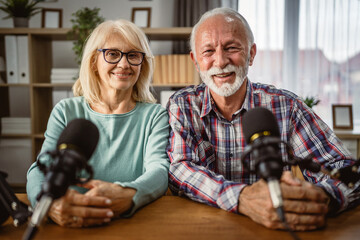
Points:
x=305 y=204
x=120 y=197
x=79 y=210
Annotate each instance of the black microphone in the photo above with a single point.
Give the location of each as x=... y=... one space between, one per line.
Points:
x=262 y=133
x=74 y=148
x=10 y=205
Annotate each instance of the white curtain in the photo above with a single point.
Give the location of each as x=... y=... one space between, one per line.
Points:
x=310 y=47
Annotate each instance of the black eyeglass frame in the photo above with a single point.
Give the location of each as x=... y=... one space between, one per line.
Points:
x=103 y=50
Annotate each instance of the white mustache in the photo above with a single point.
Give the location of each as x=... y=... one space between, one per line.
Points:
x=216 y=70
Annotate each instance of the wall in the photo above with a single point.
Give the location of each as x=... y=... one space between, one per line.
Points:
x=161 y=16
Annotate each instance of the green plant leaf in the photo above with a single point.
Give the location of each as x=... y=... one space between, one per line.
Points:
x=311 y=101
x=19 y=8
x=84 y=21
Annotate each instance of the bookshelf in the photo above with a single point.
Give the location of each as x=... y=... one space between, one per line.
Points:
x=40 y=65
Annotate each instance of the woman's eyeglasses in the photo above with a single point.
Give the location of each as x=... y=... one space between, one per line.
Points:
x=114 y=56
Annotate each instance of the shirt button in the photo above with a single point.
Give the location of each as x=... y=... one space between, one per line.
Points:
x=231 y=155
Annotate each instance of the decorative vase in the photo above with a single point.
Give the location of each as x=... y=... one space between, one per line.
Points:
x=21 y=22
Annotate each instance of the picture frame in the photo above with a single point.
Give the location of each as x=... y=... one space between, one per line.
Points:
x=342 y=116
x=51 y=18
x=141 y=17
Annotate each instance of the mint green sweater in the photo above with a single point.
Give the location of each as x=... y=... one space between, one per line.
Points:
x=131 y=149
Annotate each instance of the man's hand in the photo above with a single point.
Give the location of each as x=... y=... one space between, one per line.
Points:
x=305 y=204
x=77 y=210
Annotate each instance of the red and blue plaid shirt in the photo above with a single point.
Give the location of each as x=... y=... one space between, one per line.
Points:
x=205 y=149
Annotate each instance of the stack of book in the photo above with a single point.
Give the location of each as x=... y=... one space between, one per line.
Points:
x=64 y=75
x=176 y=69
x=15 y=125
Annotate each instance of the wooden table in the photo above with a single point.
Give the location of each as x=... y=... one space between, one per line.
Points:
x=175 y=218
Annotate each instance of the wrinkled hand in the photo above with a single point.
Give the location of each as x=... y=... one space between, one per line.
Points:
x=78 y=210
x=305 y=204
x=120 y=197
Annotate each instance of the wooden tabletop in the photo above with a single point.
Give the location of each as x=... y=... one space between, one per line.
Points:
x=175 y=218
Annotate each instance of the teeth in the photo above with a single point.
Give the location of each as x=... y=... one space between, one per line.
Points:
x=122 y=75
x=223 y=74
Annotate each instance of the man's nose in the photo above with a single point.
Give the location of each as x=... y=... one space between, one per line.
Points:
x=221 y=59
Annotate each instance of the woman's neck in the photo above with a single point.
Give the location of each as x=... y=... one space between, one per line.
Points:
x=114 y=104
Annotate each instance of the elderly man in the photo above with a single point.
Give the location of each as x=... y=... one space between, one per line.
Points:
x=207 y=140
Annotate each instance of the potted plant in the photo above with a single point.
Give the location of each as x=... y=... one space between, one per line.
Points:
x=84 y=22
x=20 y=11
x=311 y=101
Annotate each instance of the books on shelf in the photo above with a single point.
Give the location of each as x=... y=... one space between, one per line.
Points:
x=15 y=125
x=175 y=69
x=64 y=75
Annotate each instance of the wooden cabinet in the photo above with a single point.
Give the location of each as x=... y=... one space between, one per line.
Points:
x=40 y=65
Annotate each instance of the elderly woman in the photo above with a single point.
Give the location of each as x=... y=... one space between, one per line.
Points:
x=130 y=162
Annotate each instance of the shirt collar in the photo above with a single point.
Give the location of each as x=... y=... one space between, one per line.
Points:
x=208 y=103
x=249 y=101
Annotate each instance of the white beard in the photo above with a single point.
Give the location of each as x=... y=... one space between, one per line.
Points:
x=226 y=89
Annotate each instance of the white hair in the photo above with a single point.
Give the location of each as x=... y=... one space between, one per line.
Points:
x=226 y=12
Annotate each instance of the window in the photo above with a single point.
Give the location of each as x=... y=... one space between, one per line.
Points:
x=317 y=55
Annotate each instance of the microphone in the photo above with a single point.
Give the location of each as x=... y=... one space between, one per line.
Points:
x=10 y=205
x=262 y=133
x=74 y=148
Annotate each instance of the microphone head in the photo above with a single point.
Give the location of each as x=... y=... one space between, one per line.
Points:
x=260 y=121
x=81 y=135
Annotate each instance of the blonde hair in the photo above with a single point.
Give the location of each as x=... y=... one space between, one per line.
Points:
x=88 y=84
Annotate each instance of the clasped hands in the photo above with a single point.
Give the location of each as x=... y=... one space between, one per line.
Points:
x=305 y=204
x=98 y=206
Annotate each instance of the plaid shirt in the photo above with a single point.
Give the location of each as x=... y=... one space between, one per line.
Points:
x=205 y=149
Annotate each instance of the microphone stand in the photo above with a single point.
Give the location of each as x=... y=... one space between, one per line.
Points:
x=40 y=211
x=62 y=173
x=18 y=210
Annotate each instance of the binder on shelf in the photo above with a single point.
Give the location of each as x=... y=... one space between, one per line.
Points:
x=176 y=71
x=157 y=70
x=23 y=59
x=164 y=69
x=183 y=69
x=170 y=69
x=11 y=59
